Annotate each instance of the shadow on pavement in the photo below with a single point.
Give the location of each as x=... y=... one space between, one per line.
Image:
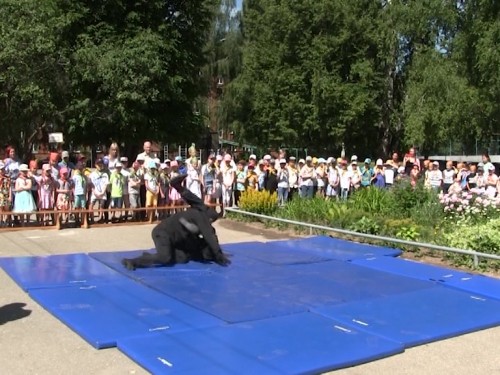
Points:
x=13 y=311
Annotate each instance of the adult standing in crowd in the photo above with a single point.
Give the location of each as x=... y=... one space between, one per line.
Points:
x=293 y=177
x=410 y=160
x=112 y=157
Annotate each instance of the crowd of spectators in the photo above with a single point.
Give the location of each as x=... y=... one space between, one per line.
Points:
x=33 y=191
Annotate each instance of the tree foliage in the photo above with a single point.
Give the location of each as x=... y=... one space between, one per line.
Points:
x=102 y=70
x=375 y=75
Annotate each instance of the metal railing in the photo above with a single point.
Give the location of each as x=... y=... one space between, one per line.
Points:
x=475 y=254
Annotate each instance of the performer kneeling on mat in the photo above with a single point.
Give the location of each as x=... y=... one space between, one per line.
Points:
x=184 y=236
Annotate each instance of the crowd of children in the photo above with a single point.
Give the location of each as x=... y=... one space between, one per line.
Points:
x=27 y=191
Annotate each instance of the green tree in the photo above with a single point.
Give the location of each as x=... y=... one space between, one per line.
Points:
x=477 y=51
x=98 y=71
x=33 y=83
x=135 y=69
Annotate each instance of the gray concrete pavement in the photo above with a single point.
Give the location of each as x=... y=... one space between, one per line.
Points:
x=40 y=344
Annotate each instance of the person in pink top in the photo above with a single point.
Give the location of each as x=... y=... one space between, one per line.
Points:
x=46 y=193
x=173 y=195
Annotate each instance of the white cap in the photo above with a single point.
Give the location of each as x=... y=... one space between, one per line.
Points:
x=253 y=157
x=435 y=163
x=267 y=157
x=330 y=160
x=282 y=161
x=123 y=158
x=309 y=158
x=354 y=158
x=292 y=158
x=118 y=165
x=65 y=154
x=321 y=160
x=24 y=167
x=140 y=157
x=379 y=162
x=167 y=161
x=178 y=158
x=302 y=161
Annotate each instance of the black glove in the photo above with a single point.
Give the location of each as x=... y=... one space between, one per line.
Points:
x=222 y=260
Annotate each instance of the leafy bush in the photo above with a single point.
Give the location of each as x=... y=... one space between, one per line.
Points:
x=260 y=202
x=429 y=213
x=484 y=238
x=407 y=198
x=372 y=200
x=315 y=210
x=365 y=225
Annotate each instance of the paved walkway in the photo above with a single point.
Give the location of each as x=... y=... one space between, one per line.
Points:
x=40 y=344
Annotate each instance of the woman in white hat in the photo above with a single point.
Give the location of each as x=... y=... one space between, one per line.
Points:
x=24 y=203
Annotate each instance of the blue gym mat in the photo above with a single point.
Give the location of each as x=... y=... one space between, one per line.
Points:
x=246 y=290
x=336 y=248
x=337 y=282
x=281 y=255
x=478 y=284
x=103 y=314
x=419 y=317
x=57 y=271
x=410 y=268
x=241 y=293
x=259 y=315
x=295 y=344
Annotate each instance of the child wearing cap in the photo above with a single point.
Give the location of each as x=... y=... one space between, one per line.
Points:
x=293 y=177
x=64 y=191
x=345 y=180
x=46 y=193
x=80 y=188
x=228 y=180
x=435 y=176
x=99 y=181
x=174 y=195
x=307 y=175
x=283 y=183
x=208 y=179
x=134 y=185
x=193 y=182
x=23 y=203
x=240 y=181
x=491 y=181
x=251 y=179
x=332 y=189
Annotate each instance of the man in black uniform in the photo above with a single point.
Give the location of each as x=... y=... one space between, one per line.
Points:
x=184 y=236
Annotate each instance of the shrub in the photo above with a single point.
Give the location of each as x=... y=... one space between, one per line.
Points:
x=365 y=225
x=260 y=202
x=372 y=200
x=484 y=238
x=315 y=210
x=407 y=198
